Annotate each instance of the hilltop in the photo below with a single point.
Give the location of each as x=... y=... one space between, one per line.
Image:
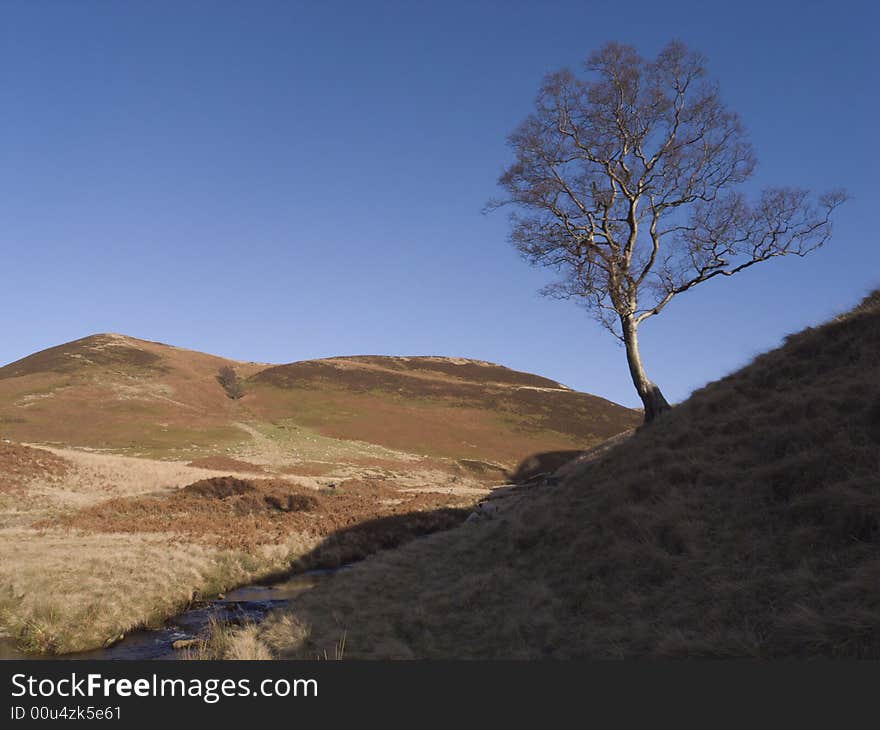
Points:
x=110 y=391
x=746 y=522
x=136 y=397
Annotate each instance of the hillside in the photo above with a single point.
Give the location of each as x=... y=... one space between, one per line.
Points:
x=442 y=407
x=115 y=392
x=746 y=522
x=135 y=397
x=317 y=464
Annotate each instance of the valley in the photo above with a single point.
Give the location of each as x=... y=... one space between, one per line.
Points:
x=133 y=487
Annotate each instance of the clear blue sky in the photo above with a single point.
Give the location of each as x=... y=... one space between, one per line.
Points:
x=278 y=181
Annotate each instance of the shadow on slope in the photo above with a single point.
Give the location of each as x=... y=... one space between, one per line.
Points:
x=745 y=523
x=542 y=464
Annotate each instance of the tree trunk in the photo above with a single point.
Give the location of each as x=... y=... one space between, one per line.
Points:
x=652 y=398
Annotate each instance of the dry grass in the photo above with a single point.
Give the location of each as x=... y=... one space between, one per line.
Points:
x=114 y=392
x=744 y=523
x=51 y=481
x=243 y=514
x=501 y=425
x=62 y=592
x=95 y=545
x=141 y=398
x=228 y=641
x=228 y=464
x=309 y=468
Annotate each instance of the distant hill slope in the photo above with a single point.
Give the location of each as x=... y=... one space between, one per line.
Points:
x=121 y=393
x=438 y=406
x=118 y=392
x=746 y=522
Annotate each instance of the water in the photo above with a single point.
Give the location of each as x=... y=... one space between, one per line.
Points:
x=249 y=603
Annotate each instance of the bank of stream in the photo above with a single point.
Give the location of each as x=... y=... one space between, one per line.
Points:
x=246 y=604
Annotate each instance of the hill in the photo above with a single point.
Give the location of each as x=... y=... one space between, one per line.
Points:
x=746 y=522
x=136 y=397
x=119 y=393
x=317 y=464
x=443 y=407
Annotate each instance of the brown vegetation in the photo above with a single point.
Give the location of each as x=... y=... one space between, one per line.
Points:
x=746 y=522
x=19 y=464
x=543 y=464
x=242 y=514
x=148 y=399
x=369 y=372
x=94 y=544
x=472 y=422
x=308 y=469
x=435 y=406
x=230 y=383
x=97 y=350
x=63 y=592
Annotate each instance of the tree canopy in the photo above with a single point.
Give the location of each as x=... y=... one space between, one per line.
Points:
x=629 y=183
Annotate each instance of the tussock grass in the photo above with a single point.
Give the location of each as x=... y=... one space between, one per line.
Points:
x=93 y=546
x=227 y=641
x=65 y=592
x=746 y=522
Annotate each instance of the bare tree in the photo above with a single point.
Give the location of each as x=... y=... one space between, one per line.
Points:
x=627 y=183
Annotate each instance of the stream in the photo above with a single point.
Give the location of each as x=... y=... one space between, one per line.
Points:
x=248 y=603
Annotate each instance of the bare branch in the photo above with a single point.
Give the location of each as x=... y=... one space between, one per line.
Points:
x=729 y=237
x=627 y=182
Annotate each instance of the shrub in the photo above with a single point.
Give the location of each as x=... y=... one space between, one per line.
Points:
x=231 y=384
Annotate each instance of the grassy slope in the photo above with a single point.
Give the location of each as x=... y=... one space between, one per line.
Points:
x=95 y=544
x=63 y=590
x=133 y=396
x=117 y=392
x=745 y=523
x=435 y=406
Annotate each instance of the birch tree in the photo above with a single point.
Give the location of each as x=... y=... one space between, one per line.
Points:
x=628 y=181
